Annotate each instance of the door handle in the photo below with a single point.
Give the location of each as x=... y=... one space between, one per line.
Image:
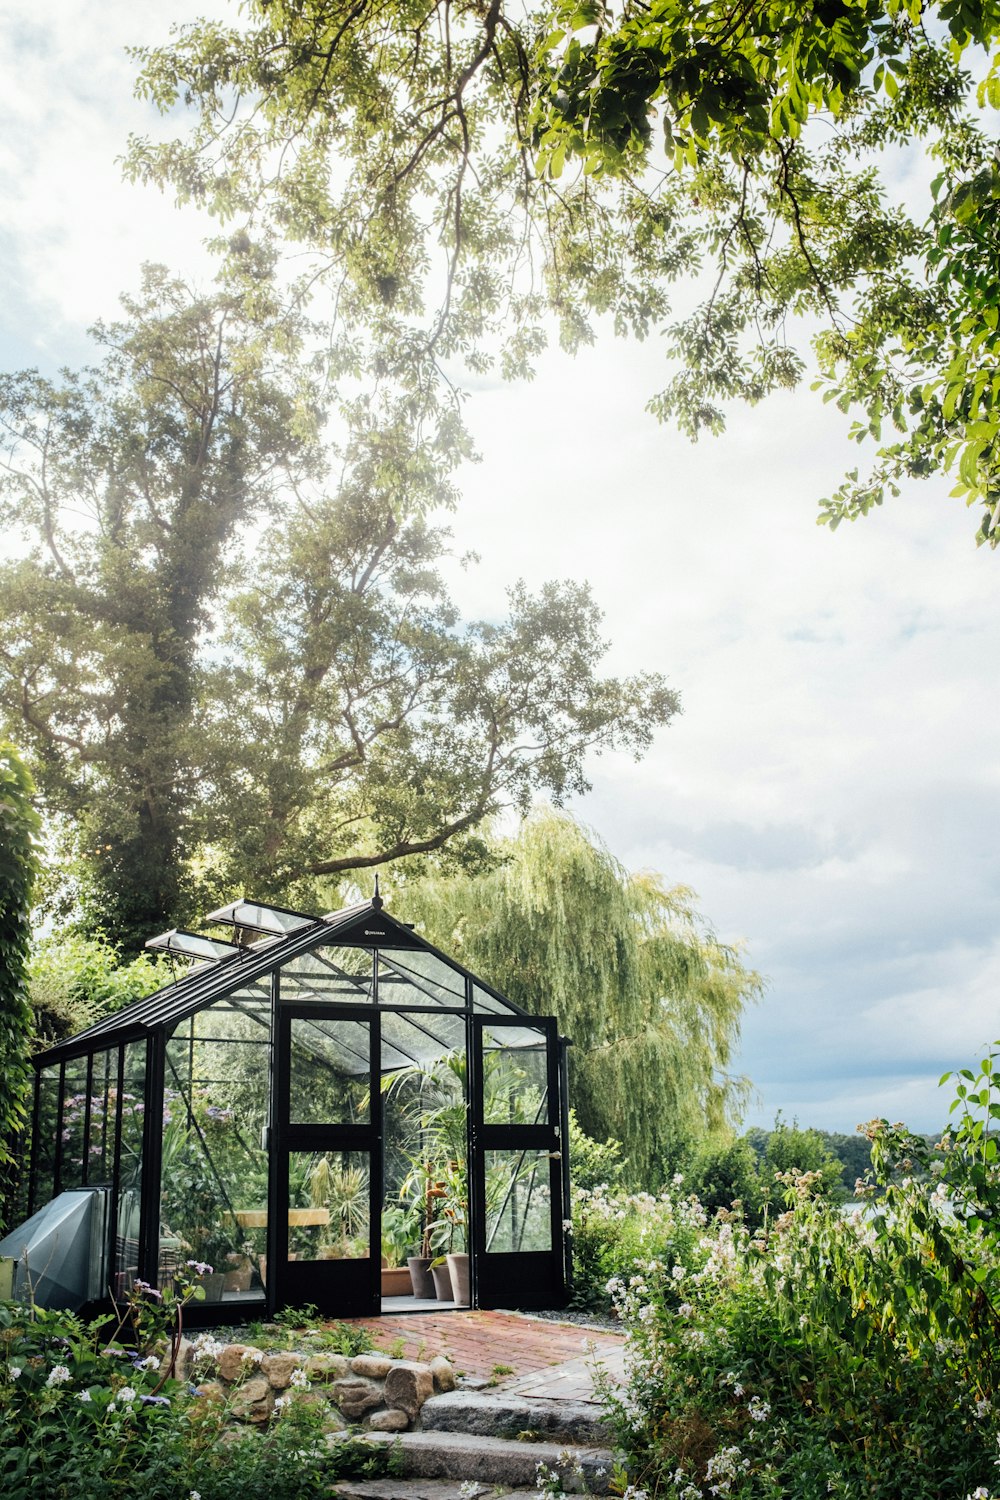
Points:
x=555 y=1156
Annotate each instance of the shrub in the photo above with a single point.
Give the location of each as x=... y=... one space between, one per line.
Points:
x=829 y=1354
x=84 y=1418
x=75 y=980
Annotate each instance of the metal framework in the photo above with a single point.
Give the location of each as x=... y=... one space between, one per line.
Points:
x=313 y=1096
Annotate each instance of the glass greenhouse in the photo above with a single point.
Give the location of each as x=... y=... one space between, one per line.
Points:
x=318 y=1109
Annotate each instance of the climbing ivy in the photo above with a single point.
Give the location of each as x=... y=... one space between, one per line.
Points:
x=19 y=828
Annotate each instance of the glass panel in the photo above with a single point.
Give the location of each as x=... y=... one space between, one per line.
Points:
x=261 y=918
x=411 y=977
x=45 y=1142
x=518 y=1201
x=193 y=945
x=425 y=1134
x=409 y=1040
x=73 y=1124
x=330 y=1072
x=214 y=1174
x=329 y=1212
x=130 y=1180
x=341 y=975
x=515 y=1076
x=483 y=1001
x=103 y=1097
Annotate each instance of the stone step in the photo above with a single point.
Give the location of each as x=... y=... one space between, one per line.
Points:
x=507 y=1415
x=496 y=1461
x=422 y=1489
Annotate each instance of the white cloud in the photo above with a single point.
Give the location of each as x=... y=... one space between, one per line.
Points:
x=833 y=785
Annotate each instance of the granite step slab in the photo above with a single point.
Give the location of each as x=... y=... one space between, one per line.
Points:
x=506 y=1414
x=496 y=1461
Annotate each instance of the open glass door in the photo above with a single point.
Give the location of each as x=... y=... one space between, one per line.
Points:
x=326 y=1191
x=517 y=1163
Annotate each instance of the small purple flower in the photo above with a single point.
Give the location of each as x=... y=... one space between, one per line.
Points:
x=147 y=1290
x=156 y=1401
x=200 y=1267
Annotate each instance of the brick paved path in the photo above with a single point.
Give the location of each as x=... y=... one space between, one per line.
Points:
x=476 y=1341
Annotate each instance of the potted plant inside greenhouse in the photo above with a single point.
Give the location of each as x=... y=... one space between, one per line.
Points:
x=400 y=1232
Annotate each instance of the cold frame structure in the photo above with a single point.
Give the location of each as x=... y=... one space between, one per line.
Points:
x=317 y=1108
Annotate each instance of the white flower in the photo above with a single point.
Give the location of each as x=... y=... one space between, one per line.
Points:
x=15 y=1372
x=468 y=1489
x=685 y=1310
x=151 y=1362
x=281 y=1403
x=758 y=1410
x=58 y=1375
x=194 y=1495
x=126 y=1393
x=678 y=1273
x=300 y=1380
x=84 y=1396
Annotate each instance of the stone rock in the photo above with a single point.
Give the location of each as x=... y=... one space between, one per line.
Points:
x=354 y=1397
x=236 y=1359
x=388 y=1421
x=443 y=1373
x=373 y=1366
x=327 y=1367
x=211 y=1390
x=251 y=1401
x=333 y=1421
x=278 y=1368
x=408 y=1385
x=182 y=1361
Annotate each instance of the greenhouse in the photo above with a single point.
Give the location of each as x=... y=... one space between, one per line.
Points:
x=319 y=1110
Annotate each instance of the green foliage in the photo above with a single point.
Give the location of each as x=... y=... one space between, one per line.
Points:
x=650 y=998
x=19 y=830
x=593 y=1163
x=247 y=672
x=579 y=159
x=85 y=1419
x=833 y=1354
x=615 y=1234
x=723 y=1173
x=75 y=980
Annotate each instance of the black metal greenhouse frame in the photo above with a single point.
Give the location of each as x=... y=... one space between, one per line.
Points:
x=516 y=1165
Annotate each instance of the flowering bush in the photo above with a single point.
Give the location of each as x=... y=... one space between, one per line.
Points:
x=613 y=1230
x=84 y=1418
x=834 y=1355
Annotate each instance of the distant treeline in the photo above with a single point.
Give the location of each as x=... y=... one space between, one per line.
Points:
x=749 y=1169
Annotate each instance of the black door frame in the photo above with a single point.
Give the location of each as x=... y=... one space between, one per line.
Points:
x=523 y=1278
x=338 y=1288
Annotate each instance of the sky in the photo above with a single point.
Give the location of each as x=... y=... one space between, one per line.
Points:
x=831 y=790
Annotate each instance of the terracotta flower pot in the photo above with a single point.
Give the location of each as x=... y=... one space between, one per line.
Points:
x=396 y=1282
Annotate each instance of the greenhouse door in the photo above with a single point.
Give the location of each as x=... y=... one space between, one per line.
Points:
x=517 y=1163
x=326 y=1181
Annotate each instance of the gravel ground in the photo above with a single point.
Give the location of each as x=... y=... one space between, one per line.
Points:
x=605 y=1322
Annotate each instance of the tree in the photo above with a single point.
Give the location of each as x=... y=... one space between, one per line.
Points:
x=458 y=171
x=229 y=646
x=129 y=483
x=19 y=830
x=650 y=998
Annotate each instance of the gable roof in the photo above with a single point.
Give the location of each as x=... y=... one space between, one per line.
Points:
x=366 y=925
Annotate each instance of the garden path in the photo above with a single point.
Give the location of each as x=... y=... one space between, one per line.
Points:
x=547 y=1360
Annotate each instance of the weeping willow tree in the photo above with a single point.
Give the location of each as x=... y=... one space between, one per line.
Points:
x=650 y=997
